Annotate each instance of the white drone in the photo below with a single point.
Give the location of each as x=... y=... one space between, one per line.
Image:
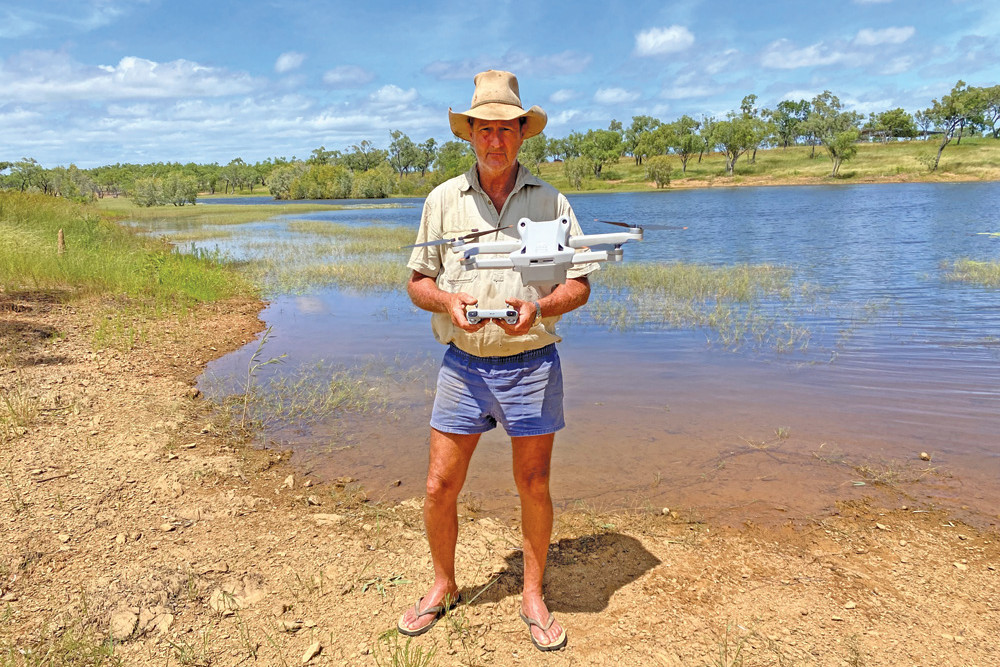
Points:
x=545 y=249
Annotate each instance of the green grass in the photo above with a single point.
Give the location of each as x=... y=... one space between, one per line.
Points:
x=974 y=159
x=985 y=274
x=101 y=257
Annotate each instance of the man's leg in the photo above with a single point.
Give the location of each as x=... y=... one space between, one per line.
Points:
x=532 y=458
x=450 y=454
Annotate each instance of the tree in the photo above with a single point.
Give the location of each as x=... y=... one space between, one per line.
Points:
x=426 y=152
x=25 y=173
x=658 y=170
x=576 y=168
x=281 y=179
x=364 y=156
x=533 y=152
x=402 y=152
x=991 y=109
x=788 y=117
x=631 y=137
x=600 y=147
x=952 y=112
x=322 y=156
x=736 y=135
x=454 y=158
x=891 y=124
x=835 y=128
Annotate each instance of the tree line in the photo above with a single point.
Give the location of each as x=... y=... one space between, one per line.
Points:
x=406 y=167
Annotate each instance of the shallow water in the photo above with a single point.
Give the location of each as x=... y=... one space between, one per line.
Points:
x=899 y=361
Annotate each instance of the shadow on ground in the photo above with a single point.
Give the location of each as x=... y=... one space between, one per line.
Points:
x=582 y=574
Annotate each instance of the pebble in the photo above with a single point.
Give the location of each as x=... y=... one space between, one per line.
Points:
x=962 y=567
x=924 y=456
x=166 y=527
x=850 y=605
x=311 y=652
x=64 y=538
x=665 y=511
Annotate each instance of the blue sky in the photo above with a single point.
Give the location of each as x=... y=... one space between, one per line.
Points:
x=95 y=82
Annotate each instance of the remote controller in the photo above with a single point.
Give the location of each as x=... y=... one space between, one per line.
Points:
x=477 y=315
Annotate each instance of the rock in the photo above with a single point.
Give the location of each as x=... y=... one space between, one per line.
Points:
x=665 y=511
x=397 y=482
x=311 y=652
x=192 y=392
x=64 y=538
x=881 y=526
x=289 y=482
x=166 y=527
x=327 y=519
x=121 y=538
x=311 y=500
x=850 y=605
x=289 y=626
x=123 y=624
x=924 y=456
x=962 y=567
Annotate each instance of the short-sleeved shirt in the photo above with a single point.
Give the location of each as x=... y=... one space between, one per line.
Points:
x=459 y=206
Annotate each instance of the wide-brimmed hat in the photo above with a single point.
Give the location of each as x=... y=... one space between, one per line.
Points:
x=497 y=98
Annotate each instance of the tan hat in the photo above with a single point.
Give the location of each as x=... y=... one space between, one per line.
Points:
x=497 y=98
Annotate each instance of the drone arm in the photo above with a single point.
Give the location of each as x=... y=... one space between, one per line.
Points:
x=614 y=238
x=470 y=249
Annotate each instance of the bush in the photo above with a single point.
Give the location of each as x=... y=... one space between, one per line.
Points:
x=658 y=170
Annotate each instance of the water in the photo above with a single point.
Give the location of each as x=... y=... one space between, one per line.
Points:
x=901 y=361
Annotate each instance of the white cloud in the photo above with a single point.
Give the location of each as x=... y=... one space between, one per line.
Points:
x=660 y=41
x=286 y=62
x=347 y=76
x=782 y=54
x=391 y=95
x=48 y=76
x=563 y=95
x=869 y=37
x=615 y=96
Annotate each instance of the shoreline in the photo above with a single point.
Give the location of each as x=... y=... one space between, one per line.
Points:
x=130 y=514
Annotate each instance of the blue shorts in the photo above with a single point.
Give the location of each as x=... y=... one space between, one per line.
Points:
x=523 y=392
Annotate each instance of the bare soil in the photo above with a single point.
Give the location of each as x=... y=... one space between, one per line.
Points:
x=129 y=511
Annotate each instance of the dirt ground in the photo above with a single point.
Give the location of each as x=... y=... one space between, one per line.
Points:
x=128 y=511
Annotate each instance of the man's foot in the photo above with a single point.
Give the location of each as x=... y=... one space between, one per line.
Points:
x=422 y=616
x=546 y=633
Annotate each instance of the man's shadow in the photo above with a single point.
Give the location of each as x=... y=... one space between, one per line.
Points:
x=582 y=574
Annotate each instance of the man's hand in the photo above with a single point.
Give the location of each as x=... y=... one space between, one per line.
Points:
x=525 y=317
x=456 y=308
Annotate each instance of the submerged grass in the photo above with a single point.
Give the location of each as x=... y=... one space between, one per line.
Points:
x=742 y=305
x=986 y=274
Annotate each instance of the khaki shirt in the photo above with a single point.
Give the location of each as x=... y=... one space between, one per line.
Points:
x=459 y=206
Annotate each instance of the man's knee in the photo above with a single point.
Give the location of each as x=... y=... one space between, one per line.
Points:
x=441 y=488
x=533 y=483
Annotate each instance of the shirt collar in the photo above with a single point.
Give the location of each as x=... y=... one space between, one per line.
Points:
x=524 y=177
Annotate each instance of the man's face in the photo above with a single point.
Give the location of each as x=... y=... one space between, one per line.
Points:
x=496 y=143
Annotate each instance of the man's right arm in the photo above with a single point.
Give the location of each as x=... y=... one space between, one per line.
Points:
x=426 y=295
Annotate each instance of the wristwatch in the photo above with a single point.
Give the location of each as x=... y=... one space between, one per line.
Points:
x=538 y=312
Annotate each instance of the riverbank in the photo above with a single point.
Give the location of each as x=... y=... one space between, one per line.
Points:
x=130 y=513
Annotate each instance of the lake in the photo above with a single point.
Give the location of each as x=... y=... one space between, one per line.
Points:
x=898 y=360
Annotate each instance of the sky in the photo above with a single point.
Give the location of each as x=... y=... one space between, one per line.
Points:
x=96 y=82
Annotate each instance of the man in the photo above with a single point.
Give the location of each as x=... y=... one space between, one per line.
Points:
x=492 y=371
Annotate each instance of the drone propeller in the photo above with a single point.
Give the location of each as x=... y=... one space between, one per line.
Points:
x=468 y=237
x=628 y=226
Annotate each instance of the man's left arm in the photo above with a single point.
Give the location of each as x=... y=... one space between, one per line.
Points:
x=568 y=296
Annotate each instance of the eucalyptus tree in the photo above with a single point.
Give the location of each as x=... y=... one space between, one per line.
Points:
x=991 y=109
x=788 y=117
x=631 y=137
x=533 y=152
x=453 y=158
x=891 y=124
x=736 y=135
x=426 y=152
x=952 y=112
x=364 y=156
x=600 y=147
x=403 y=153
x=835 y=128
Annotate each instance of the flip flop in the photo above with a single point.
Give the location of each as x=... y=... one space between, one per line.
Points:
x=559 y=642
x=438 y=610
